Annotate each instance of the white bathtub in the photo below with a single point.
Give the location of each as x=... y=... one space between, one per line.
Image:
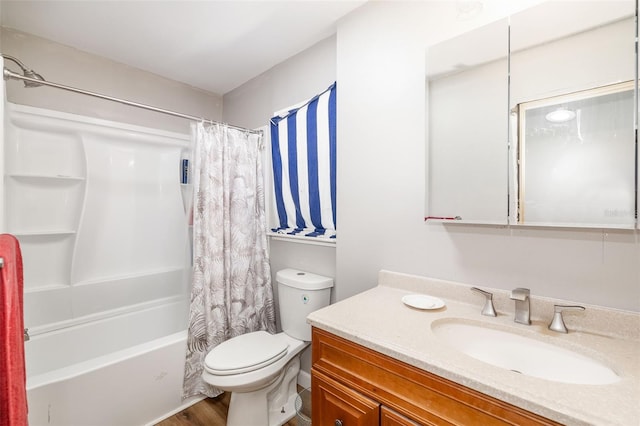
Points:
x=118 y=371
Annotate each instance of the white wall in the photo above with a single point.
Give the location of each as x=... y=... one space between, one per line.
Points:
x=72 y=67
x=381 y=169
x=297 y=79
x=380 y=69
x=253 y=104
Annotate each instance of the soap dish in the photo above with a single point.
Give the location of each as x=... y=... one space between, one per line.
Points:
x=422 y=301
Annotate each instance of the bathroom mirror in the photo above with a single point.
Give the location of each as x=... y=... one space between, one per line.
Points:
x=572 y=98
x=467 y=130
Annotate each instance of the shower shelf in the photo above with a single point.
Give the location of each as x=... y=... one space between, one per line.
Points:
x=43 y=233
x=20 y=176
x=48 y=203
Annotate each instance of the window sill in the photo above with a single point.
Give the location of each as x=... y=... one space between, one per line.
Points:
x=302 y=239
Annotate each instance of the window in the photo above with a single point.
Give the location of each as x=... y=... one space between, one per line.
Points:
x=303 y=154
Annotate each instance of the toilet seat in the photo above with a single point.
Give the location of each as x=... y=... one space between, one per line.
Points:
x=245 y=353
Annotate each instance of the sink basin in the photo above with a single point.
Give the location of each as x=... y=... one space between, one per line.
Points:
x=523 y=355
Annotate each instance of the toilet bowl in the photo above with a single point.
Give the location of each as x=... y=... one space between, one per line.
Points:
x=261 y=369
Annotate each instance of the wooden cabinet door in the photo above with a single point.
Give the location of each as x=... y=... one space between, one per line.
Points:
x=336 y=405
x=389 y=417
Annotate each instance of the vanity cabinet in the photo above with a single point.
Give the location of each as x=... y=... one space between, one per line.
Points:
x=353 y=385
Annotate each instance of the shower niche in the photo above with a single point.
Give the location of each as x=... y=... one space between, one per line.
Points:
x=98 y=209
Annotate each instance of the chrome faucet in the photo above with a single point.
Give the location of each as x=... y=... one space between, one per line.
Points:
x=523 y=311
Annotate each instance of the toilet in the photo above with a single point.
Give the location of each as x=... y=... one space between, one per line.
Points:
x=261 y=369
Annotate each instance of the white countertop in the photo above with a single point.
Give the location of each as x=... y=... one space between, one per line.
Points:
x=379 y=320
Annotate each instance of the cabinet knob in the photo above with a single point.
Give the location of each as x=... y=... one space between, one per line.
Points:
x=338 y=422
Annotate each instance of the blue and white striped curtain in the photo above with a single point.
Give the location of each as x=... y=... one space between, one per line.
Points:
x=303 y=149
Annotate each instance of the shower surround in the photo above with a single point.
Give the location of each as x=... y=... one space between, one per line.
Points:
x=101 y=216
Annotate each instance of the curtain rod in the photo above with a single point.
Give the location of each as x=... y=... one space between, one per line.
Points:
x=8 y=74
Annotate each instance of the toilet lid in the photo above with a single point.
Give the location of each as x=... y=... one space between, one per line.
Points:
x=245 y=353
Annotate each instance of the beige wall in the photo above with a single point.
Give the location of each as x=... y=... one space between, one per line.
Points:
x=381 y=169
x=380 y=69
x=379 y=62
x=297 y=79
x=71 y=67
x=378 y=59
x=253 y=104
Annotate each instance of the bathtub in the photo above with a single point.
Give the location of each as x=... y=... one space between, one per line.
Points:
x=121 y=370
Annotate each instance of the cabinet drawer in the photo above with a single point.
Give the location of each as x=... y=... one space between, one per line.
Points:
x=391 y=418
x=336 y=405
x=417 y=394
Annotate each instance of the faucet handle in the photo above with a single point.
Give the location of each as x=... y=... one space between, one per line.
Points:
x=557 y=323
x=487 y=309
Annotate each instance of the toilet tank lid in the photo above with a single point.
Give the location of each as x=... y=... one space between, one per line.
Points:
x=303 y=280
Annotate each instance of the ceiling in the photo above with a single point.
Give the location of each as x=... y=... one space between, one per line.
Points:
x=210 y=44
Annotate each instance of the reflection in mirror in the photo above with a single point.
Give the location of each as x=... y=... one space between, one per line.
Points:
x=576 y=147
x=467 y=109
x=573 y=58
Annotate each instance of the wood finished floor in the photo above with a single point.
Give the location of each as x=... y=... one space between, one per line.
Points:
x=208 y=412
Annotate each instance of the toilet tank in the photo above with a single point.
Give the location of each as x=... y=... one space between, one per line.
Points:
x=299 y=294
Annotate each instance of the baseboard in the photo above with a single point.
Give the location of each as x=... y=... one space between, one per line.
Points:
x=186 y=404
x=304 y=379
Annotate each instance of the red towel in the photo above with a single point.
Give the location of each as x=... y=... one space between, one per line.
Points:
x=13 y=377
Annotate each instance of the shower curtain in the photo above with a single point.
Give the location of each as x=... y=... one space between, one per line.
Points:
x=231 y=287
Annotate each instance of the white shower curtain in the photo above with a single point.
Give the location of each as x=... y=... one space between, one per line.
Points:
x=231 y=288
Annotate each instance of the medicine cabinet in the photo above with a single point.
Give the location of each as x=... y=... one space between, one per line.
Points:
x=467 y=92
x=500 y=150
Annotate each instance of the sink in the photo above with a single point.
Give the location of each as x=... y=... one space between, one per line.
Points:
x=521 y=354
